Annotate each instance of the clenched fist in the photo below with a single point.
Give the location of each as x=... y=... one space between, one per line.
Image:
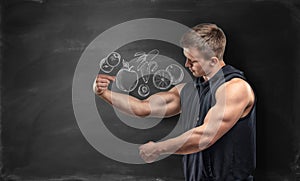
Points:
x=101 y=83
x=150 y=152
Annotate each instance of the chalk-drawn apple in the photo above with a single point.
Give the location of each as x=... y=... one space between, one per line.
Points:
x=126 y=79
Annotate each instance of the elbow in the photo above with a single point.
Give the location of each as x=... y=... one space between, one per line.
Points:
x=202 y=140
x=94 y=88
x=141 y=114
x=205 y=144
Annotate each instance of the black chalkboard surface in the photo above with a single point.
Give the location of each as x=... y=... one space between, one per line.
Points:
x=42 y=42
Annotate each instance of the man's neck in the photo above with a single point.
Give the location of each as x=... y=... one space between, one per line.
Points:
x=214 y=70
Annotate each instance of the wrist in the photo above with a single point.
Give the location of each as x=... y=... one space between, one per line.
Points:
x=160 y=147
x=102 y=93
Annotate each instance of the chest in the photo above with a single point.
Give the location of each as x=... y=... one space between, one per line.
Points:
x=195 y=103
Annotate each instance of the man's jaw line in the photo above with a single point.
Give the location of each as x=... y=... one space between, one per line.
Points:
x=213 y=72
x=210 y=74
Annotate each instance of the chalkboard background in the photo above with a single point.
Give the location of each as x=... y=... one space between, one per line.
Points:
x=42 y=41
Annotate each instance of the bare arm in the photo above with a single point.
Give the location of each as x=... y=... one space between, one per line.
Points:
x=234 y=100
x=163 y=104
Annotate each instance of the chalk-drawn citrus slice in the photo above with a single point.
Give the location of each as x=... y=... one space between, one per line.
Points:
x=176 y=73
x=162 y=79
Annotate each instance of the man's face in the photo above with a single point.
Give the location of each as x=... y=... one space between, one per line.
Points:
x=195 y=62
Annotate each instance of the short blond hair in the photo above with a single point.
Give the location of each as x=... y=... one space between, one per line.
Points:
x=207 y=38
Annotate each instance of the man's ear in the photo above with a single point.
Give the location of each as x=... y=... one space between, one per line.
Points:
x=213 y=61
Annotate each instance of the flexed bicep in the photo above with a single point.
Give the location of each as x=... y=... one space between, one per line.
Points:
x=233 y=100
x=165 y=104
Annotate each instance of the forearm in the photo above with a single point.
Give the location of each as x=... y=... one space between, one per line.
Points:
x=126 y=103
x=189 y=142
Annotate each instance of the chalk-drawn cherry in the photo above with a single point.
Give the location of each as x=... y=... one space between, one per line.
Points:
x=104 y=66
x=113 y=59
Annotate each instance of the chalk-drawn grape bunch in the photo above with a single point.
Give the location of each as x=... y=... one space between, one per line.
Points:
x=141 y=67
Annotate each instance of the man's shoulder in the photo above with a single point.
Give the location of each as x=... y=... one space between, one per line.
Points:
x=237 y=82
x=237 y=87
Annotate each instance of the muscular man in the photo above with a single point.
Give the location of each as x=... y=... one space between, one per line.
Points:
x=218 y=107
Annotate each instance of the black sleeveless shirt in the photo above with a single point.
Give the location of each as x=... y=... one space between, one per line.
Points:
x=233 y=156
